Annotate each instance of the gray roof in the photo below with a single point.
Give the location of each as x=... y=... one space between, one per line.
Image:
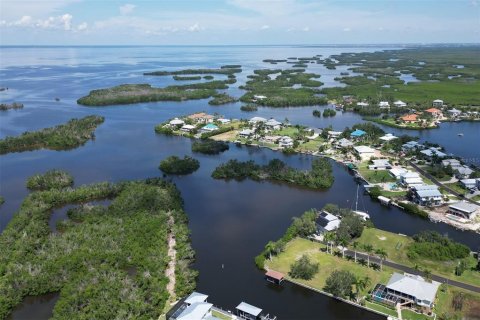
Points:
x=426 y=187
x=345 y=143
x=273 y=123
x=464 y=206
x=464 y=170
x=196 y=311
x=414 y=286
x=431 y=151
x=429 y=193
x=196 y=297
x=248 y=308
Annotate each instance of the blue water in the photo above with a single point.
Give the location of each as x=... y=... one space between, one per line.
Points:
x=230 y=221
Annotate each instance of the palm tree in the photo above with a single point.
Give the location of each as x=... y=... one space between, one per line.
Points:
x=270 y=247
x=355 y=246
x=368 y=248
x=328 y=237
x=343 y=243
x=361 y=284
x=427 y=273
x=382 y=254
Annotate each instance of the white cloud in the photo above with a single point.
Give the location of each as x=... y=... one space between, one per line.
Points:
x=12 y=9
x=127 y=9
x=82 y=26
x=24 y=21
x=62 y=22
x=306 y=29
x=265 y=27
x=194 y=28
x=347 y=29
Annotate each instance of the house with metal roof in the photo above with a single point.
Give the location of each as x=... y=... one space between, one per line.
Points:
x=454 y=112
x=248 y=312
x=176 y=122
x=427 y=195
x=464 y=209
x=384 y=104
x=469 y=183
x=399 y=104
x=285 y=142
x=256 y=120
x=380 y=164
x=273 y=124
x=245 y=133
x=407 y=290
x=344 y=143
x=437 y=103
x=365 y=152
x=410 y=145
x=362 y=104
x=431 y=152
x=388 y=137
x=327 y=222
x=462 y=172
x=209 y=128
x=357 y=133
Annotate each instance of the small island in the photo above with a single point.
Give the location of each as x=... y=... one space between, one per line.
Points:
x=320 y=176
x=8 y=106
x=178 y=166
x=52 y=179
x=207 y=146
x=73 y=134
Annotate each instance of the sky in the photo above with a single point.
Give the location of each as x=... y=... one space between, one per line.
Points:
x=237 y=22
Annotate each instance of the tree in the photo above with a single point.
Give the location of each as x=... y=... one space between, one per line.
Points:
x=382 y=254
x=329 y=238
x=340 y=283
x=369 y=249
x=361 y=284
x=303 y=268
x=355 y=246
x=269 y=248
x=427 y=273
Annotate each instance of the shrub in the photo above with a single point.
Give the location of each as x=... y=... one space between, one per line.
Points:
x=209 y=146
x=53 y=179
x=176 y=165
x=340 y=283
x=432 y=245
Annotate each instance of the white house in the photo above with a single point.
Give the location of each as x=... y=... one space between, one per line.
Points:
x=410 y=179
x=430 y=152
x=256 y=120
x=397 y=172
x=454 y=112
x=427 y=195
x=469 y=183
x=380 y=164
x=451 y=162
x=464 y=209
x=334 y=134
x=399 y=104
x=410 y=145
x=187 y=128
x=273 y=124
x=388 y=137
x=384 y=104
x=362 y=104
x=245 y=133
x=176 y=122
x=365 y=152
x=462 y=172
x=344 y=143
x=285 y=142
x=259 y=97
x=327 y=222
x=437 y=103
x=224 y=121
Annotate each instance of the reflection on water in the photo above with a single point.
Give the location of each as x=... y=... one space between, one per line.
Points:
x=35 y=307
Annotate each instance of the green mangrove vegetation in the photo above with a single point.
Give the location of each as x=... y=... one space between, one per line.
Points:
x=72 y=134
x=249 y=108
x=208 y=146
x=52 y=179
x=8 y=106
x=283 y=91
x=107 y=262
x=329 y=113
x=433 y=246
x=221 y=98
x=319 y=177
x=179 y=166
x=224 y=70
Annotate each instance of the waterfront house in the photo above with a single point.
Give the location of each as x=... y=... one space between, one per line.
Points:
x=410 y=145
x=454 y=113
x=407 y=290
x=399 y=104
x=201 y=117
x=380 y=164
x=451 y=162
x=435 y=113
x=195 y=306
x=437 y=103
x=362 y=104
x=388 y=137
x=187 y=128
x=273 y=124
x=271 y=139
x=285 y=142
x=274 y=277
x=430 y=153
x=248 y=312
x=365 y=152
x=357 y=133
x=410 y=179
x=397 y=172
x=469 y=184
x=348 y=99
x=245 y=133
x=384 y=104
x=209 y=128
x=334 y=134
x=344 y=143
x=427 y=195
x=327 y=222
x=464 y=209
x=462 y=172
x=224 y=121
x=176 y=123
x=259 y=97
x=409 y=118
x=256 y=120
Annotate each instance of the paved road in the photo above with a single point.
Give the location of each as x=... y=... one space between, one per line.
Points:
x=438 y=183
x=414 y=271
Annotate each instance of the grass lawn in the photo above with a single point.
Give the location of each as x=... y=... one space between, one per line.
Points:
x=374 y=176
x=226 y=136
x=327 y=263
x=312 y=145
x=393 y=194
x=457 y=187
x=396 y=247
x=220 y=315
x=476 y=198
x=381 y=308
x=285 y=131
x=443 y=305
x=410 y=315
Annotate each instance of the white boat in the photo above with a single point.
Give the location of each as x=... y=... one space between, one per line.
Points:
x=365 y=216
x=460 y=134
